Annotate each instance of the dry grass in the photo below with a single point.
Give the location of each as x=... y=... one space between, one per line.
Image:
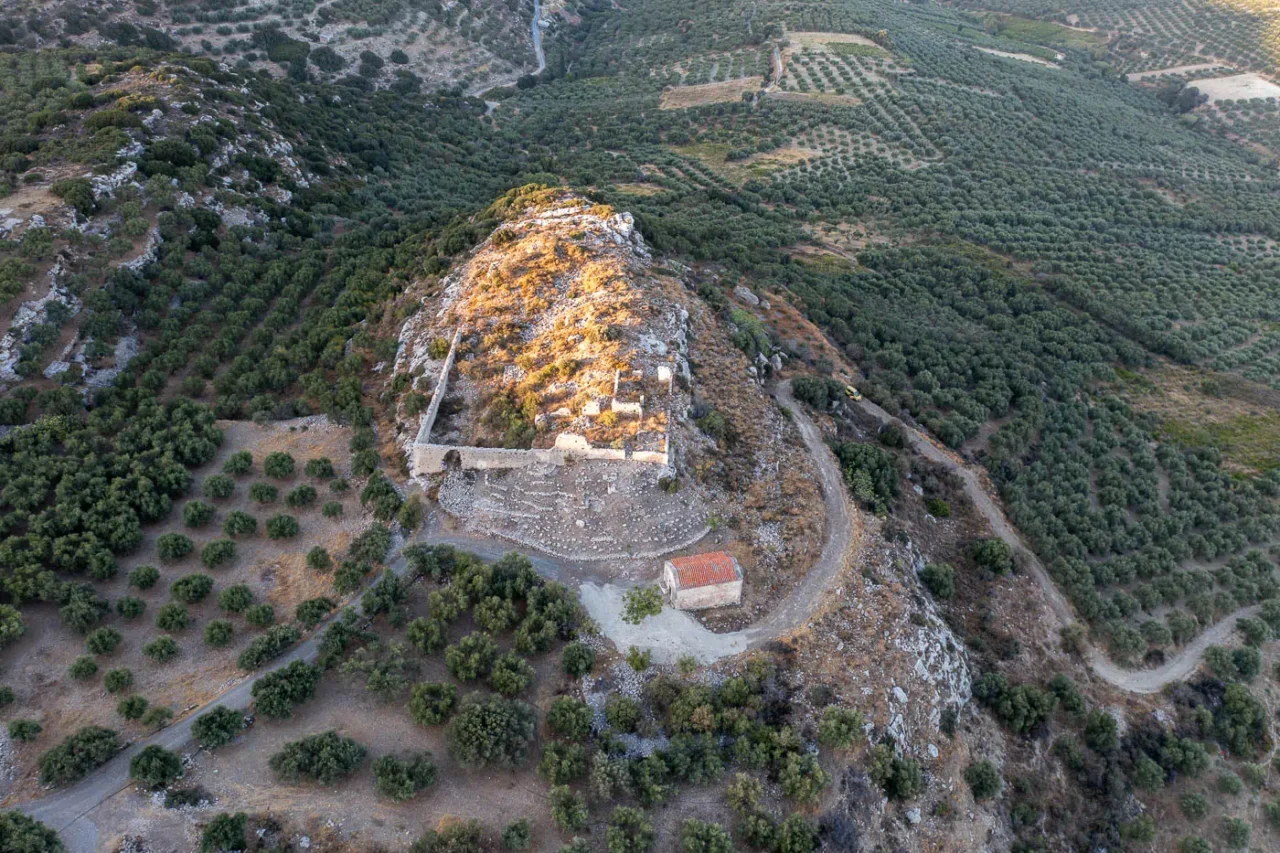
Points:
x=1238 y=87
x=641 y=189
x=683 y=97
x=819 y=40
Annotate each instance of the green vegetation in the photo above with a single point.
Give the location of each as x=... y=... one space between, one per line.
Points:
x=322 y=758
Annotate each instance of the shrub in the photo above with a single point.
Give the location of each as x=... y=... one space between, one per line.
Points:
x=236 y=598
x=518 y=835
x=331 y=509
x=464 y=837
x=217 y=553
x=282 y=527
x=217 y=727
x=117 y=679
x=431 y=703
x=132 y=707
x=900 y=778
x=641 y=602
x=1237 y=832
x=984 y=780
x=839 y=727
x=995 y=555
x=157 y=717
x=568 y=810
x=260 y=615
x=238 y=464
x=78 y=755
x=239 y=523
x=623 y=713
x=1194 y=844
x=144 y=577
x=197 y=514
x=569 y=718
x=219 y=487
x=562 y=763
x=219 y=633
x=275 y=693
x=102 y=641
x=172 y=617
x=629 y=831
x=155 y=767
x=802 y=777
x=795 y=835
x=83 y=668
x=324 y=758
x=321 y=468
x=130 y=607
x=192 y=589
x=1194 y=806
x=313 y=611
x=578 y=659
x=639 y=659
x=23 y=834
x=318 y=558
x=401 y=779
x=699 y=837
x=263 y=493
x=224 y=833
x=278 y=465
x=939 y=579
x=472 y=657
x=511 y=674
x=24 y=731
x=268 y=647
x=490 y=730
x=161 y=649
x=172 y=547
x=301 y=496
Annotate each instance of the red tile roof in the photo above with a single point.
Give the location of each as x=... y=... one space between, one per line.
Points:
x=704 y=569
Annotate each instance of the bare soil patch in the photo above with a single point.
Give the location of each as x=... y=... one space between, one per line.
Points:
x=1238 y=87
x=1025 y=57
x=683 y=97
x=818 y=39
x=830 y=98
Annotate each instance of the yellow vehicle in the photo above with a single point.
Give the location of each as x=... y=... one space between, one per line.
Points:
x=852 y=393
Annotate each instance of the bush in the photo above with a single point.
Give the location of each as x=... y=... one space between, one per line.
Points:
x=562 y=763
x=172 y=547
x=699 y=837
x=132 y=707
x=239 y=523
x=939 y=579
x=517 y=836
x=219 y=633
x=236 y=598
x=839 y=727
x=321 y=468
x=219 y=487
x=802 y=777
x=490 y=730
x=331 y=509
x=130 y=607
x=144 y=577
x=268 y=647
x=984 y=780
x=795 y=835
x=623 y=713
x=217 y=553
x=263 y=493
x=301 y=496
x=1194 y=806
x=78 y=755
x=401 y=779
x=83 y=668
x=1237 y=832
x=102 y=641
x=511 y=674
x=900 y=778
x=472 y=657
x=568 y=810
x=313 y=611
x=464 y=837
x=161 y=649
x=173 y=617
x=238 y=464
x=197 y=514
x=276 y=693
x=260 y=615
x=569 y=718
x=639 y=659
x=282 y=527
x=117 y=680
x=318 y=558
x=157 y=717
x=641 y=602
x=578 y=659
x=629 y=831
x=323 y=758
x=278 y=465
x=155 y=767
x=431 y=703
x=995 y=555
x=217 y=727
x=22 y=834
x=24 y=731
x=192 y=589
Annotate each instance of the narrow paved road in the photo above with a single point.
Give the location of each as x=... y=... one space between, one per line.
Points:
x=1177 y=668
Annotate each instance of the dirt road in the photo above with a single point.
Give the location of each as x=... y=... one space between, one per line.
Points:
x=1177 y=668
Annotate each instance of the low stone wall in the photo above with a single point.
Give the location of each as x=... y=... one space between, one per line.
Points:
x=437 y=396
x=434 y=458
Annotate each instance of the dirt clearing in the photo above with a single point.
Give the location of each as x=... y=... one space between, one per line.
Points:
x=1238 y=87
x=683 y=97
x=1025 y=57
x=811 y=39
x=1174 y=71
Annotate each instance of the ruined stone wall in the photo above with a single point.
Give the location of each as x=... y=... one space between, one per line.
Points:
x=433 y=458
x=442 y=385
